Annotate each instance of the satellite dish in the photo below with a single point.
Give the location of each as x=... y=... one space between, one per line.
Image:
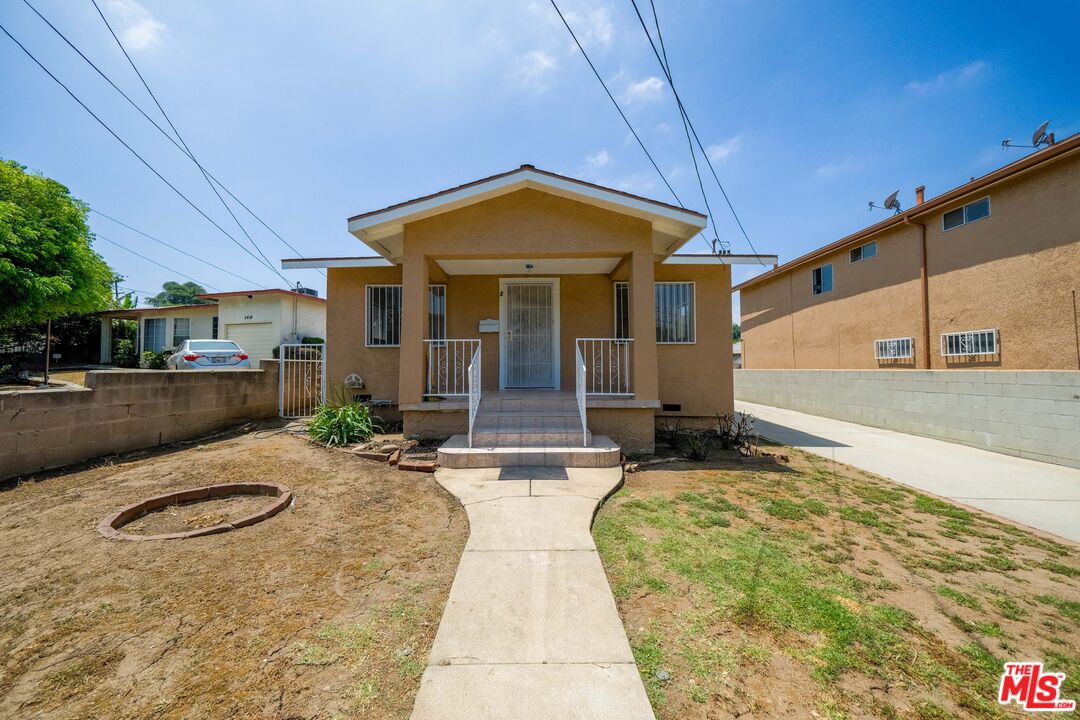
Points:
x=891 y=203
x=1040 y=136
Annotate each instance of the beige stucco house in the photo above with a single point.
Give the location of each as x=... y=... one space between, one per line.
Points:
x=532 y=298
x=257 y=320
x=983 y=276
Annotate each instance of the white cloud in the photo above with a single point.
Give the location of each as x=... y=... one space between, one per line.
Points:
x=637 y=183
x=831 y=170
x=593 y=27
x=651 y=88
x=598 y=159
x=137 y=27
x=950 y=78
x=722 y=151
x=534 y=68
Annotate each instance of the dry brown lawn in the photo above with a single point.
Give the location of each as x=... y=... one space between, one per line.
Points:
x=326 y=610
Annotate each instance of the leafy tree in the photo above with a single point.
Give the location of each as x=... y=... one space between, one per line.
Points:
x=736 y=332
x=48 y=268
x=174 y=293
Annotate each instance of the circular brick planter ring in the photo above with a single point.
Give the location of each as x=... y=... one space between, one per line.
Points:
x=110 y=526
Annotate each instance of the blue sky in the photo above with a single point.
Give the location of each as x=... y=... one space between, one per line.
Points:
x=316 y=111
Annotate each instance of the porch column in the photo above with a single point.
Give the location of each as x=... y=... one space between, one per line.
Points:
x=643 y=320
x=414 y=322
x=105 y=357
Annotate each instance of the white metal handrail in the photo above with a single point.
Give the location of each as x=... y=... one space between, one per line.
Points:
x=447 y=366
x=579 y=362
x=607 y=363
x=474 y=378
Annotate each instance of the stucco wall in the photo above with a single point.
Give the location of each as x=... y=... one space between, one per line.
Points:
x=1031 y=414
x=122 y=410
x=1017 y=271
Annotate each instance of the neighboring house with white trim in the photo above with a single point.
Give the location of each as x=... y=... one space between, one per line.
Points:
x=257 y=320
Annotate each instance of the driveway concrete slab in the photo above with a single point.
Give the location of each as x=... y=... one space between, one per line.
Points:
x=533 y=692
x=1040 y=495
x=530 y=523
x=530 y=607
x=530 y=629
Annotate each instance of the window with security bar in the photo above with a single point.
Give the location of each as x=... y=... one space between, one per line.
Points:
x=894 y=349
x=384 y=314
x=675 y=321
x=181 y=330
x=622 y=310
x=969 y=343
x=436 y=312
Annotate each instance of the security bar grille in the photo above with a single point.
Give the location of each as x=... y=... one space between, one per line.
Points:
x=447 y=366
x=894 y=349
x=969 y=343
x=383 y=315
x=675 y=321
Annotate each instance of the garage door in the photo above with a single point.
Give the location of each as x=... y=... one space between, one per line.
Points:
x=257 y=339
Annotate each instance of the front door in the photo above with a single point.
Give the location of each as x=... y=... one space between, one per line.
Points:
x=530 y=342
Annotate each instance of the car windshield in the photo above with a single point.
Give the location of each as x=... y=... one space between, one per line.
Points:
x=211 y=345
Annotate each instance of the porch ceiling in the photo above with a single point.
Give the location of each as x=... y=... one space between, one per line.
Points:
x=540 y=268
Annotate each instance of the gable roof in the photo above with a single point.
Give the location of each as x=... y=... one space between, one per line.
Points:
x=980 y=184
x=382 y=229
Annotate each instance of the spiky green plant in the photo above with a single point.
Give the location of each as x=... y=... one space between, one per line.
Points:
x=343 y=421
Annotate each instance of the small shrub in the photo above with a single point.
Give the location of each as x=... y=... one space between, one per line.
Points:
x=313 y=340
x=125 y=355
x=670 y=432
x=342 y=423
x=698 y=447
x=735 y=432
x=154 y=360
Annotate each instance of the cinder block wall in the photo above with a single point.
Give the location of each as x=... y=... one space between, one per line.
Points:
x=1027 y=413
x=126 y=410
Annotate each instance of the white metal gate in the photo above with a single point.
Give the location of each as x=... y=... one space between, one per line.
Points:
x=301 y=379
x=529 y=335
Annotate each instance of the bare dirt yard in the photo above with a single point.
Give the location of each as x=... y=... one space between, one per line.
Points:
x=815 y=590
x=326 y=610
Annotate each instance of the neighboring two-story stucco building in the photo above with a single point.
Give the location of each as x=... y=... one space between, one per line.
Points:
x=983 y=276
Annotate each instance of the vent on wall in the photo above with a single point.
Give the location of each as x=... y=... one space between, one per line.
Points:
x=671 y=407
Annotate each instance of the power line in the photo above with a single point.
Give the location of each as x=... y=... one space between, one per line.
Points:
x=132 y=150
x=666 y=64
x=182 y=252
x=616 y=104
x=682 y=109
x=181 y=138
x=98 y=236
x=160 y=129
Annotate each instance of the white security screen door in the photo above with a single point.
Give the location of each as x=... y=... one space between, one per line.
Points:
x=529 y=334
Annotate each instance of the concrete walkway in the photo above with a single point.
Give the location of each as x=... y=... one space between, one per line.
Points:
x=530 y=630
x=1039 y=495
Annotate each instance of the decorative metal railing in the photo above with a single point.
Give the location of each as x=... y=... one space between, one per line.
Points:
x=607 y=365
x=301 y=379
x=448 y=366
x=474 y=378
x=579 y=363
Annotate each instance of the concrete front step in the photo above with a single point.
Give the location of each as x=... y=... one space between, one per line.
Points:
x=600 y=452
x=528 y=437
x=529 y=405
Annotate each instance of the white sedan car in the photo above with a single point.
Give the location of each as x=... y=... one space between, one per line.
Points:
x=208 y=355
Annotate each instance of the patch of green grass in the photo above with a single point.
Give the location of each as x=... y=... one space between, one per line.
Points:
x=933 y=506
x=649 y=656
x=989 y=629
x=816 y=507
x=947 y=563
x=1008 y=608
x=863 y=517
x=1068 y=608
x=881 y=496
x=711 y=519
x=1060 y=569
x=784 y=509
x=1070 y=665
x=928 y=710
x=958 y=597
x=306 y=653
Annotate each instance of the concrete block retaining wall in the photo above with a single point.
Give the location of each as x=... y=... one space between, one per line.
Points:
x=1027 y=413
x=122 y=410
